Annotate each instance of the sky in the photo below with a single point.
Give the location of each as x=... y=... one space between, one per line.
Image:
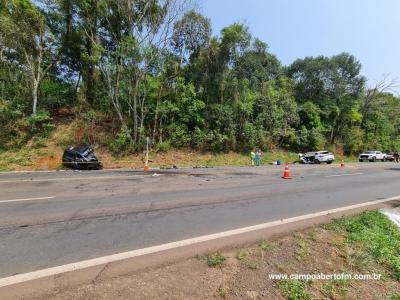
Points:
x=368 y=29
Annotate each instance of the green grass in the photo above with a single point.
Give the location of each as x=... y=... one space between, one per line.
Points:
x=19 y=157
x=302 y=250
x=223 y=291
x=215 y=260
x=243 y=159
x=374 y=234
x=394 y=297
x=264 y=246
x=252 y=264
x=241 y=254
x=334 y=288
x=294 y=289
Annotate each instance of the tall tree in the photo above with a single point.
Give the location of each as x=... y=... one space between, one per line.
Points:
x=28 y=39
x=190 y=33
x=335 y=84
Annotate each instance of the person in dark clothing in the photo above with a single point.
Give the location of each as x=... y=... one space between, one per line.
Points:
x=396 y=156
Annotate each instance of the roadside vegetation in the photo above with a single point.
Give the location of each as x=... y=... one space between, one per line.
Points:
x=364 y=244
x=120 y=73
x=374 y=234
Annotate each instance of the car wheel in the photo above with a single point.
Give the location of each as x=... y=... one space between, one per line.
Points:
x=360 y=160
x=329 y=162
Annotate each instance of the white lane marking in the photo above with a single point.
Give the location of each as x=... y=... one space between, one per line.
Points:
x=28 y=172
x=347 y=174
x=155 y=249
x=26 y=199
x=68 y=179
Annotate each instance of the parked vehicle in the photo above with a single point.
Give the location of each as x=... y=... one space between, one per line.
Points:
x=372 y=156
x=389 y=157
x=81 y=158
x=316 y=157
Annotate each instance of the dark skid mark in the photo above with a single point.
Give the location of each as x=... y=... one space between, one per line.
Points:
x=243 y=173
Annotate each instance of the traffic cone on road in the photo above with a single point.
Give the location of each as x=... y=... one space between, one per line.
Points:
x=342 y=164
x=286 y=174
x=146 y=166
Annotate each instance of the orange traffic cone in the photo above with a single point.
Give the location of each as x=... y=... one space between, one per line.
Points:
x=342 y=164
x=146 y=167
x=286 y=174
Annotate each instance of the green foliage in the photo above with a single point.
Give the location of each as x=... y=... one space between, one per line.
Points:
x=375 y=233
x=394 y=297
x=294 y=289
x=41 y=122
x=252 y=264
x=241 y=254
x=223 y=291
x=56 y=94
x=354 y=140
x=264 y=245
x=163 y=147
x=215 y=260
x=308 y=139
x=222 y=93
x=331 y=289
x=179 y=135
x=123 y=141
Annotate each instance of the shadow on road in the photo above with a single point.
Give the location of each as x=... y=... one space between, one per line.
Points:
x=393 y=169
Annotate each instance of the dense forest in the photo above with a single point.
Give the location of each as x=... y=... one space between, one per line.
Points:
x=152 y=68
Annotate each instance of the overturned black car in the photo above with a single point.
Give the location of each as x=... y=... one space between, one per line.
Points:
x=81 y=158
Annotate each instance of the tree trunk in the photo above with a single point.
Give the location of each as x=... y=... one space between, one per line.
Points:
x=89 y=71
x=156 y=114
x=35 y=87
x=135 y=116
x=333 y=133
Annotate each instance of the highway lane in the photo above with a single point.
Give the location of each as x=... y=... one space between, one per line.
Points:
x=63 y=217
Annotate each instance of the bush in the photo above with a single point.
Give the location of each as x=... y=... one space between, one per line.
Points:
x=308 y=139
x=215 y=260
x=250 y=135
x=199 y=139
x=353 y=141
x=13 y=124
x=123 y=142
x=179 y=136
x=163 y=147
x=41 y=122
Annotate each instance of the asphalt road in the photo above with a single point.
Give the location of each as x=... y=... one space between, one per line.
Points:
x=53 y=218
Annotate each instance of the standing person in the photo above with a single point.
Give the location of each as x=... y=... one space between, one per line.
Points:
x=258 y=157
x=396 y=156
x=253 y=157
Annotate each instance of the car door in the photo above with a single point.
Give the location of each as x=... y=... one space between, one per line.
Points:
x=379 y=155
